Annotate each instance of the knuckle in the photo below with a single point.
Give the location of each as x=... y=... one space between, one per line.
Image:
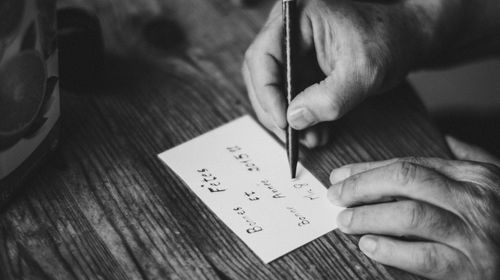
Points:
x=415 y=212
x=429 y=263
x=446 y=267
x=358 y=219
x=351 y=186
x=371 y=71
x=413 y=159
x=444 y=225
x=432 y=263
x=406 y=172
x=355 y=220
x=372 y=76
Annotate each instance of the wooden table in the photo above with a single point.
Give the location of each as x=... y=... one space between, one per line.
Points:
x=105 y=207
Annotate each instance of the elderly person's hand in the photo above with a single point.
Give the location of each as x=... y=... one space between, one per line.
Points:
x=348 y=50
x=447 y=211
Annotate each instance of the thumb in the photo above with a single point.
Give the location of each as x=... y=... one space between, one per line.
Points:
x=464 y=151
x=325 y=101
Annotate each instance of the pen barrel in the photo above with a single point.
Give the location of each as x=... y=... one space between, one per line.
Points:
x=290 y=44
x=290 y=36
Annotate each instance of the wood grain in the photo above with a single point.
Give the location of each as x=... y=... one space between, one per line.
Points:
x=104 y=207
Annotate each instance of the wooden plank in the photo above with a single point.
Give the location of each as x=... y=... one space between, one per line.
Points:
x=106 y=208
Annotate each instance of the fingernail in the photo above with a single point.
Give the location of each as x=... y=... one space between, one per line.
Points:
x=301 y=118
x=310 y=140
x=367 y=244
x=339 y=175
x=334 y=193
x=344 y=218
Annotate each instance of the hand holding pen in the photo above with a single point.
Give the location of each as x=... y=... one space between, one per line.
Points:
x=344 y=54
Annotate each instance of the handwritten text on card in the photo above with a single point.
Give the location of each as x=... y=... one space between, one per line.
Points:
x=241 y=173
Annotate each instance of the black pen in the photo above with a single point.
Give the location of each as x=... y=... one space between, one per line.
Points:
x=290 y=35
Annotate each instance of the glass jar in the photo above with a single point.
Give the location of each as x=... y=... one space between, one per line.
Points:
x=29 y=91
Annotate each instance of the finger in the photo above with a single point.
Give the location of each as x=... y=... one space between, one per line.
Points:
x=264 y=59
x=310 y=138
x=399 y=179
x=261 y=115
x=464 y=151
x=340 y=174
x=315 y=136
x=325 y=101
x=430 y=260
x=408 y=218
x=451 y=168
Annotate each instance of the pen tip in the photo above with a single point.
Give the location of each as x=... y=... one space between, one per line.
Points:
x=293 y=170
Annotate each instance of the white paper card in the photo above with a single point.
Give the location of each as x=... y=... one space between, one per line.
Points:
x=241 y=173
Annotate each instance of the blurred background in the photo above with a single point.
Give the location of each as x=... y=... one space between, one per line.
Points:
x=465 y=101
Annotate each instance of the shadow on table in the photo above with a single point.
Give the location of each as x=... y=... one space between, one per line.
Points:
x=478 y=128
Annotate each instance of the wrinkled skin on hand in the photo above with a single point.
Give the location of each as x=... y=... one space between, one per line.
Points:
x=447 y=210
x=348 y=51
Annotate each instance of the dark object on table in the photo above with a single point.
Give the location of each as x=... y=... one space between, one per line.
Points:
x=80 y=48
x=29 y=92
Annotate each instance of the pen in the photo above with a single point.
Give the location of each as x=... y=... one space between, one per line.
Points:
x=290 y=47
